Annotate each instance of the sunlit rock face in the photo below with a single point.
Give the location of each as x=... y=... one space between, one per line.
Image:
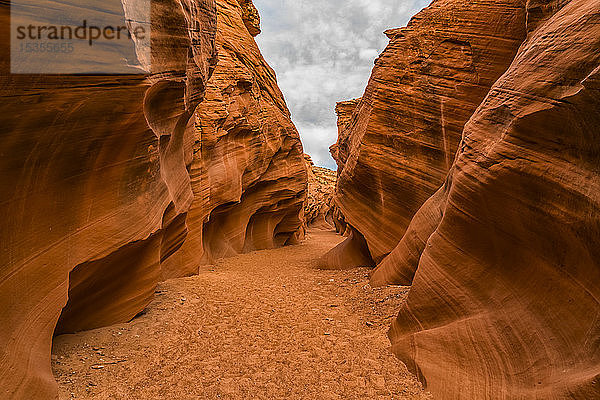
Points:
x=400 y=142
x=504 y=303
x=109 y=181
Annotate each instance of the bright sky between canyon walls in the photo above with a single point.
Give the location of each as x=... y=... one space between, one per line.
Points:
x=323 y=52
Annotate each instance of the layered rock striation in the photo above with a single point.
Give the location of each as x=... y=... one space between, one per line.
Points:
x=354 y=251
x=250 y=16
x=395 y=149
x=247 y=172
x=90 y=165
x=341 y=149
x=504 y=303
x=503 y=258
x=112 y=183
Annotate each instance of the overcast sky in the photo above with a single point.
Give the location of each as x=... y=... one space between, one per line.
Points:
x=323 y=52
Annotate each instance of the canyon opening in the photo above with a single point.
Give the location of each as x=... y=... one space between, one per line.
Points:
x=310 y=200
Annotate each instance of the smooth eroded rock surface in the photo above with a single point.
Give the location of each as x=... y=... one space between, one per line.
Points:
x=90 y=164
x=402 y=137
x=109 y=182
x=340 y=150
x=247 y=172
x=504 y=303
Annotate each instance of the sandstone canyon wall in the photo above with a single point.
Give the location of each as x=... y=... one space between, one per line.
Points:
x=247 y=172
x=318 y=210
x=340 y=150
x=402 y=137
x=354 y=251
x=503 y=258
x=504 y=304
x=111 y=183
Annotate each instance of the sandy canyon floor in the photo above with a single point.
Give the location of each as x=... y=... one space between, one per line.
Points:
x=264 y=325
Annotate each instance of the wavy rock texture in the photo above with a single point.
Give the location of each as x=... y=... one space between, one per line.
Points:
x=318 y=211
x=248 y=174
x=341 y=226
x=108 y=184
x=354 y=251
x=403 y=135
x=90 y=164
x=351 y=253
x=505 y=300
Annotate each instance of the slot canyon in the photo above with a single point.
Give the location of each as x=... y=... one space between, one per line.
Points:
x=165 y=233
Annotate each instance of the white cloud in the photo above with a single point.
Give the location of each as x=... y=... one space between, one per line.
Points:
x=323 y=52
x=368 y=54
x=317 y=140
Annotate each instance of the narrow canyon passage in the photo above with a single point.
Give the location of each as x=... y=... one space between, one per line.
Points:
x=260 y=325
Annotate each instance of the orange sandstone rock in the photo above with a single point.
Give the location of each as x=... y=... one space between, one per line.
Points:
x=250 y=16
x=354 y=251
x=504 y=303
x=351 y=253
x=318 y=210
x=90 y=164
x=248 y=174
x=340 y=150
x=112 y=183
x=401 y=141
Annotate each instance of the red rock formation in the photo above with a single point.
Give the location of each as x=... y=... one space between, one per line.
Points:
x=340 y=150
x=248 y=174
x=354 y=251
x=339 y=221
x=86 y=183
x=105 y=177
x=404 y=134
x=318 y=211
x=250 y=16
x=504 y=303
x=351 y=253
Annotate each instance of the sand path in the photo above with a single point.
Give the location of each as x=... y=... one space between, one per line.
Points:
x=264 y=325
